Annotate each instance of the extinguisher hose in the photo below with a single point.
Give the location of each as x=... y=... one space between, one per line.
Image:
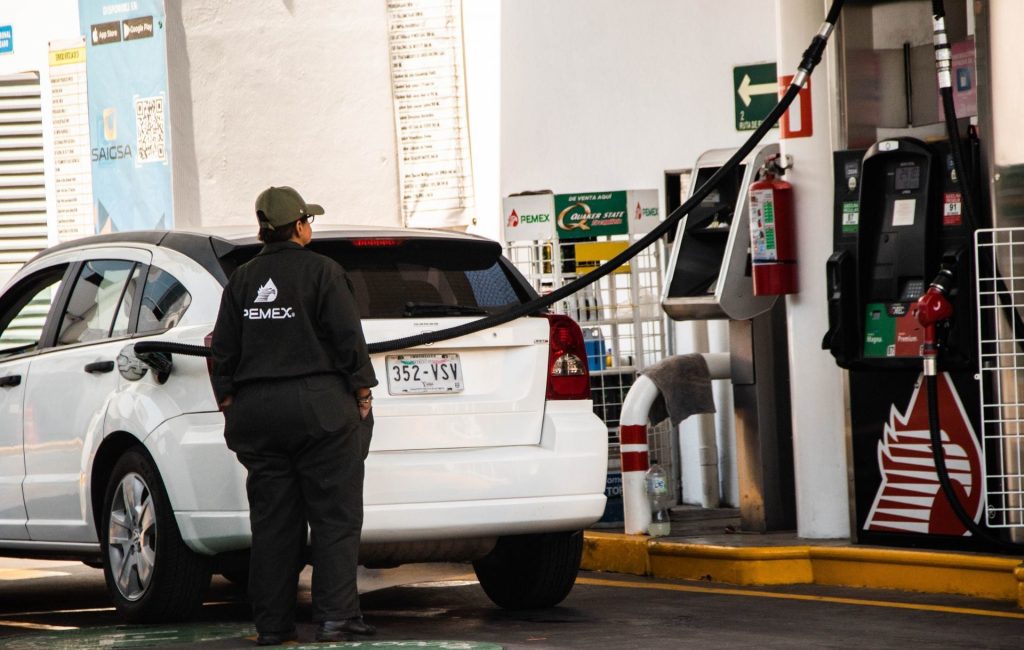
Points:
x=942 y=471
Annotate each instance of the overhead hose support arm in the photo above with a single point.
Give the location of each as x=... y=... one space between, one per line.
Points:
x=933 y=306
x=810 y=59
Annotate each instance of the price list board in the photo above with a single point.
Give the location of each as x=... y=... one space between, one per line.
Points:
x=428 y=85
x=71 y=155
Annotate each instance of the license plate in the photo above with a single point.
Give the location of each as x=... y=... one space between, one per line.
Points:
x=410 y=374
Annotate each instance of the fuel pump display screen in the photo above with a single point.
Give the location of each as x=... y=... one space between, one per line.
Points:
x=907 y=178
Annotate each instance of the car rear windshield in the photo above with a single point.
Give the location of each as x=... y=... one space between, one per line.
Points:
x=420 y=277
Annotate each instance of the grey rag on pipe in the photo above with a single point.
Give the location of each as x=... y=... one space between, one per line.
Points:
x=684 y=384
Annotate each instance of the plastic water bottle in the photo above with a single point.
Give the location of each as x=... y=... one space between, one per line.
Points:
x=656 y=482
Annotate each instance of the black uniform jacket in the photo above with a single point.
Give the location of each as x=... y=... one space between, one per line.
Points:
x=288 y=312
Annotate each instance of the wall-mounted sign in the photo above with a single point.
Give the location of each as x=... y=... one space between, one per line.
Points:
x=529 y=218
x=72 y=166
x=591 y=214
x=755 y=91
x=580 y=215
x=642 y=210
x=128 y=114
x=6 y=38
x=965 y=84
x=798 y=120
x=431 y=119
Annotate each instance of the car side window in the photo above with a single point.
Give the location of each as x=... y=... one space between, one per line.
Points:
x=164 y=301
x=24 y=314
x=95 y=296
x=128 y=302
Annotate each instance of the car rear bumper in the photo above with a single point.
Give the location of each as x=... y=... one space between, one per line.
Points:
x=496 y=517
x=216 y=532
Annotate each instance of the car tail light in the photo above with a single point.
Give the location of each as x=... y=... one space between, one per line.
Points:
x=568 y=377
x=377 y=242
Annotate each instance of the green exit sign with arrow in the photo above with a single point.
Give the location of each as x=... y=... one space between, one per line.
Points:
x=755 y=93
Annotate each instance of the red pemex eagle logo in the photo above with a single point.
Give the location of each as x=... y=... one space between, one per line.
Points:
x=910 y=498
x=513 y=219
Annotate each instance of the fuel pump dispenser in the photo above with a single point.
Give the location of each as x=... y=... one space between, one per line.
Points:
x=901 y=298
x=710 y=278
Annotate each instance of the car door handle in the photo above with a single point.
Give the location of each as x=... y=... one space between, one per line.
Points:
x=10 y=381
x=99 y=366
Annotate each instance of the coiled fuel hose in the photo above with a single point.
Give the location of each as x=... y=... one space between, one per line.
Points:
x=943 y=59
x=811 y=58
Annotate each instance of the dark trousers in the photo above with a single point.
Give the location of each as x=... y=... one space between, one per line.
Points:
x=303 y=446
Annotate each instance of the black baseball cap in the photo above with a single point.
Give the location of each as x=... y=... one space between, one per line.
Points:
x=280 y=206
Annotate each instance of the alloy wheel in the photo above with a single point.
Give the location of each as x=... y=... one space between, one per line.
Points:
x=132 y=536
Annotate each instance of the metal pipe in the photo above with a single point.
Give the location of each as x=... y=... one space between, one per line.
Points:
x=634 y=449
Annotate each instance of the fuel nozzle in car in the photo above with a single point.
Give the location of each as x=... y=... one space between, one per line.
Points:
x=933 y=308
x=133 y=363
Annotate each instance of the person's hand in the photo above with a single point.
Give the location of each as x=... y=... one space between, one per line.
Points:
x=365 y=404
x=226 y=402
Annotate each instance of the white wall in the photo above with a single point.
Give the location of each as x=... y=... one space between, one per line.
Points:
x=481 y=20
x=281 y=92
x=603 y=94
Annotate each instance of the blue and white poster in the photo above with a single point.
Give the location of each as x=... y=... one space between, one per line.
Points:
x=129 y=121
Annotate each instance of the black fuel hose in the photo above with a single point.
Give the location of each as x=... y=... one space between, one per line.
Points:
x=943 y=60
x=942 y=471
x=811 y=58
x=144 y=347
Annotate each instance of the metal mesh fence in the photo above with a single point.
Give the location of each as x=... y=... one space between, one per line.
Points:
x=624 y=328
x=1000 y=288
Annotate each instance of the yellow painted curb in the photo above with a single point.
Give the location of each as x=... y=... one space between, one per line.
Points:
x=938 y=573
x=741 y=566
x=1019 y=574
x=981 y=576
x=615 y=553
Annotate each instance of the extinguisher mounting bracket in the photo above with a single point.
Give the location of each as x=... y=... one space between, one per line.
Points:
x=776 y=164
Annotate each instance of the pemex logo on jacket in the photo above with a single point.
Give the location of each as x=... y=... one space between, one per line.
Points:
x=910 y=498
x=267 y=293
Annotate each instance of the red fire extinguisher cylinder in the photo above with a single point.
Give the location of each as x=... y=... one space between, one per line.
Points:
x=773 y=237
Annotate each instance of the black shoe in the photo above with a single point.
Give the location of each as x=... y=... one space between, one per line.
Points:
x=342 y=630
x=276 y=638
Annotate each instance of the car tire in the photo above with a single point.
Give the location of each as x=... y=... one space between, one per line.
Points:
x=237 y=577
x=151 y=575
x=531 y=571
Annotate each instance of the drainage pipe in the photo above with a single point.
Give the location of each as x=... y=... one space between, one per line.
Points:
x=634 y=449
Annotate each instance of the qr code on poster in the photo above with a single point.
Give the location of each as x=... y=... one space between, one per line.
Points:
x=149 y=125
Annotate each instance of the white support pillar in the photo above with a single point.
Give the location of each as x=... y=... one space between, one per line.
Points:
x=816 y=390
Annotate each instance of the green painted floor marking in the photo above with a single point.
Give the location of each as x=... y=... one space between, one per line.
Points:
x=190 y=635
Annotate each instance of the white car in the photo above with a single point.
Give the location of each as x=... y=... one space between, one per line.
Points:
x=502 y=462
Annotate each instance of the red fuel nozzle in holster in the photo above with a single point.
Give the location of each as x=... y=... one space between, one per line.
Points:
x=933 y=308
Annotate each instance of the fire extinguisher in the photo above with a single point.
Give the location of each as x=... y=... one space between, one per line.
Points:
x=772 y=232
